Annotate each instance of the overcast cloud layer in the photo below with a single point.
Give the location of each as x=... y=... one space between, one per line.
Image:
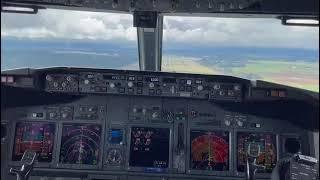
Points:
x=177 y=30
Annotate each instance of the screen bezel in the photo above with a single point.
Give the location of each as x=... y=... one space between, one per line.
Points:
x=12 y=143
x=80 y=166
x=142 y=169
x=258 y=175
x=207 y=172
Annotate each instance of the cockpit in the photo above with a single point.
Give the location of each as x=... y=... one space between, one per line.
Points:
x=159 y=90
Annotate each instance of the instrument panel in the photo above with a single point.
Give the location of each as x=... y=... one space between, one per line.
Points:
x=144 y=84
x=113 y=130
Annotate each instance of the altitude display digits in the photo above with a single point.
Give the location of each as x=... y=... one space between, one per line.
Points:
x=80 y=144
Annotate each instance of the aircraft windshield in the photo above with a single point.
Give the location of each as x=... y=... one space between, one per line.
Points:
x=256 y=49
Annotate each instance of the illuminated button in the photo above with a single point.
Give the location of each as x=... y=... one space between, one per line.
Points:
x=189 y=82
x=4 y=79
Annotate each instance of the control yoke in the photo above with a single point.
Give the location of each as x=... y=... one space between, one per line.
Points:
x=27 y=160
x=251 y=167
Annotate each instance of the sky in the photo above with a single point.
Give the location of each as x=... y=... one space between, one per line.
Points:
x=204 y=31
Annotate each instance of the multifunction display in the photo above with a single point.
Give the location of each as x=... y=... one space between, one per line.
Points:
x=80 y=144
x=149 y=147
x=35 y=136
x=209 y=150
x=267 y=150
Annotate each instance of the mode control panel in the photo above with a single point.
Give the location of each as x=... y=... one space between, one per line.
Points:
x=148 y=84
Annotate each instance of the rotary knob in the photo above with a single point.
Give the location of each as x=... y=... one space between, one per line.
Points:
x=112 y=85
x=86 y=81
x=55 y=84
x=130 y=84
x=216 y=86
x=48 y=78
x=200 y=87
x=227 y=122
x=240 y=123
x=236 y=87
x=151 y=85
x=69 y=78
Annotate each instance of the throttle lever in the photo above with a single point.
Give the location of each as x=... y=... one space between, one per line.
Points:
x=27 y=160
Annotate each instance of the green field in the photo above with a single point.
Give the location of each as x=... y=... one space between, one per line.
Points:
x=299 y=74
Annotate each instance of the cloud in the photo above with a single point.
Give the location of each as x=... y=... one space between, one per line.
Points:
x=207 y=31
x=200 y=31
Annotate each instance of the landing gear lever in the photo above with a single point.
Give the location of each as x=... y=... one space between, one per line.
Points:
x=27 y=160
x=252 y=167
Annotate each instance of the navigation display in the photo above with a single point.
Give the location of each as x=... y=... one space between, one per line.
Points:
x=267 y=143
x=80 y=144
x=149 y=147
x=35 y=136
x=209 y=150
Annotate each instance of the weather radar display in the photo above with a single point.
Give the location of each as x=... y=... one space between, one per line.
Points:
x=209 y=150
x=35 y=136
x=80 y=144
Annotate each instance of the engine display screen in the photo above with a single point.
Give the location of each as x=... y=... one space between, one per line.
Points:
x=80 y=144
x=267 y=144
x=209 y=150
x=35 y=136
x=149 y=147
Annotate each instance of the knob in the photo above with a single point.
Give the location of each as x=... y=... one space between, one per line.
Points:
x=236 y=87
x=48 y=78
x=64 y=84
x=134 y=110
x=216 y=86
x=86 y=81
x=154 y=115
x=221 y=93
x=240 y=123
x=130 y=84
x=69 y=78
x=151 y=85
x=55 y=84
x=64 y=115
x=144 y=111
x=227 y=122
x=200 y=87
x=112 y=85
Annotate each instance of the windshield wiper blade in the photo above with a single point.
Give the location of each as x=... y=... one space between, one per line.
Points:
x=20 y=8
